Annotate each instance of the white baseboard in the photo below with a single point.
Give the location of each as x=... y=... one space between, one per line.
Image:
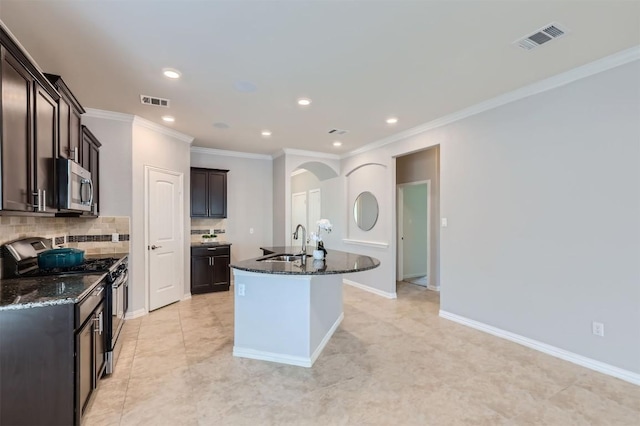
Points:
x=186 y=296
x=326 y=338
x=136 y=314
x=433 y=287
x=371 y=289
x=300 y=361
x=592 y=364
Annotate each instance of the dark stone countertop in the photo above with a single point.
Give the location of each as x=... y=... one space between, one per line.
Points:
x=33 y=292
x=210 y=244
x=336 y=262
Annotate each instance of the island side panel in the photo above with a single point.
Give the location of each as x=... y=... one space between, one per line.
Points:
x=272 y=318
x=326 y=310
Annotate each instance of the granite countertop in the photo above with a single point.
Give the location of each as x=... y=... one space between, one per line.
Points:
x=335 y=262
x=209 y=243
x=32 y=292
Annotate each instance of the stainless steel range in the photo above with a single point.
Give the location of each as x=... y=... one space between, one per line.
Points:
x=21 y=260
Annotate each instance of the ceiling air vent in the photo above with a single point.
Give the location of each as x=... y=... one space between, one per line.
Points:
x=337 y=132
x=150 y=100
x=541 y=36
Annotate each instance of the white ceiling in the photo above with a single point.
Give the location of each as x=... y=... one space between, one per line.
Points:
x=359 y=61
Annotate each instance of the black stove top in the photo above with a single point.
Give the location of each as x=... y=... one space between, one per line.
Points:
x=89 y=266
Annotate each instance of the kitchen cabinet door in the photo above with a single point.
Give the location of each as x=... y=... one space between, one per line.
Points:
x=199 y=196
x=46 y=138
x=201 y=275
x=69 y=112
x=90 y=160
x=220 y=273
x=17 y=127
x=217 y=193
x=208 y=193
x=85 y=362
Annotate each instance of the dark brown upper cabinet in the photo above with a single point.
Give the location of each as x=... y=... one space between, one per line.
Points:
x=69 y=113
x=29 y=120
x=90 y=160
x=208 y=193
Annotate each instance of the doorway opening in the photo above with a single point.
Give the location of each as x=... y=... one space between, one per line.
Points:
x=418 y=218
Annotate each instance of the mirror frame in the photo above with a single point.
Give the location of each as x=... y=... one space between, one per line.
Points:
x=359 y=202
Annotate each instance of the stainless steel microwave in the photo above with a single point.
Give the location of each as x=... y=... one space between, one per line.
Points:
x=75 y=188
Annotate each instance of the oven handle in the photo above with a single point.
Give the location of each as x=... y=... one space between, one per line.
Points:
x=121 y=280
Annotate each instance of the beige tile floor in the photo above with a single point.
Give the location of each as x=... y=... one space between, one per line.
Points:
x=391 y=362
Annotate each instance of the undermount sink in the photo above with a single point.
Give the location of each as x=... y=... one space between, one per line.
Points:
x=283 y=258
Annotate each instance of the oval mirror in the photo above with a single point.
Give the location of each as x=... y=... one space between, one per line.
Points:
x=365 y=210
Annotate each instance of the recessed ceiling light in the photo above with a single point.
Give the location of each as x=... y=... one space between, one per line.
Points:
x=266 y=133
x=168 y=118
x=337 y=143
x=304 y=102
x=171 y=73
x=392 y=120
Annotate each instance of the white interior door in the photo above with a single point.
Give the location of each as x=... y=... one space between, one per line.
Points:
x=298 y=213
x=164 y=218
x=314 y=209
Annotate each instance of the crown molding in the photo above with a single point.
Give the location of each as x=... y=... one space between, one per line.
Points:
x=587 y=70
x=143 y=122
x=305 y=153
x=108 y=115
x=225 y=153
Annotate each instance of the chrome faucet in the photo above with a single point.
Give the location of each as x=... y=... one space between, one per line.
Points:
x=303 y=251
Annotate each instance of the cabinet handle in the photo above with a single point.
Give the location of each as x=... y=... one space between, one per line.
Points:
x=75 y=154
x=44 y=200
x=97 y=322
x=212 y=249
x=36 y=200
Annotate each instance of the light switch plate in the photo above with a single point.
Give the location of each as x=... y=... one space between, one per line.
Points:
x=444 y=221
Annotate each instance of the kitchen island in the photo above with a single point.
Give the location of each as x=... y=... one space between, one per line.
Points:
x=287 y=310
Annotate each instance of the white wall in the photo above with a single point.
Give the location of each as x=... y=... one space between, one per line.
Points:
x=163 y=150
x=116 y=174
x=280 y=203
x=542 y=196
x=249 y=200
x=128 y=144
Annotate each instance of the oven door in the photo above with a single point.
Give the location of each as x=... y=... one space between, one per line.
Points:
x=119 y=302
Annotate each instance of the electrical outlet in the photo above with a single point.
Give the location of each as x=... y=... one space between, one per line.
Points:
x=240 y=289
x=597 y=328
x=251 y=230
x=115 y=237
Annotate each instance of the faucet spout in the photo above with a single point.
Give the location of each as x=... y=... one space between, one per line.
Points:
x=303 y=250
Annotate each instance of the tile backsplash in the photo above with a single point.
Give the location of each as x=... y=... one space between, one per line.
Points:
x=199 y=227
x=93 y=235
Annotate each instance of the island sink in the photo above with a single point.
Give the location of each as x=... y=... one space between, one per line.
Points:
x=285 y=310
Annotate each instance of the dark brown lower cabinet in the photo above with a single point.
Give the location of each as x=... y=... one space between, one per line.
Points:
x=210 y=269
x=51 y=359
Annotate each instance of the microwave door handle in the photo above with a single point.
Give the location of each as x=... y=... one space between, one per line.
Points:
x=90 y=192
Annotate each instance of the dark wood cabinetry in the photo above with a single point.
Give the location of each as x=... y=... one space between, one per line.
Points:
x=69 y=113
x=51 y=360
x=29 y=121
x=17 y=127
x=90 y=160
x=208 y=193
x=45 y=141
x=210 y=269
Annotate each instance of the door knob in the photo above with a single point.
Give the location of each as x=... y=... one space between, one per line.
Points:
x=153 y=247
